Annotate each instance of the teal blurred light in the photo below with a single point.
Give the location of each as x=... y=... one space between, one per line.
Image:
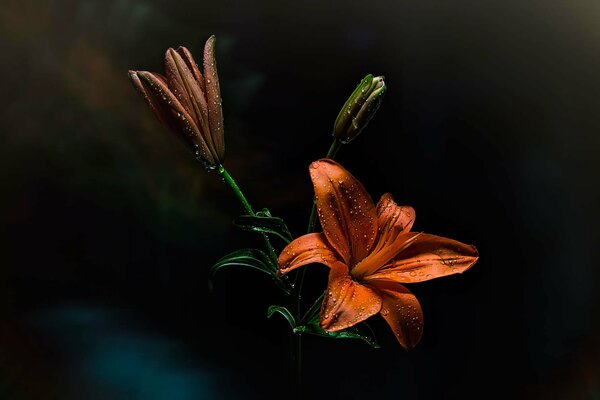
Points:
x=108 y=355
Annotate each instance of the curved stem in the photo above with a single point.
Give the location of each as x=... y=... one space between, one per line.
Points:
x=333 y=149
x=247 y=207
x=236 y=189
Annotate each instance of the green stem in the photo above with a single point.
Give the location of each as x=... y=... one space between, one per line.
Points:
x=247 y=207
x=236 y=189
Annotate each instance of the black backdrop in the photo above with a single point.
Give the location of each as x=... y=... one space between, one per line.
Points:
x=108 y=227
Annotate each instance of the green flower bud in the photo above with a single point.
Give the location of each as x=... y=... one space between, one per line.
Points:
x=360 y=107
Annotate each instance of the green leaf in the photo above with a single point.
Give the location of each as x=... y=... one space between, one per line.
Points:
x=265 y=223
x=313 y=311
x=250 y=258
x=283 y=311
x=353 y=332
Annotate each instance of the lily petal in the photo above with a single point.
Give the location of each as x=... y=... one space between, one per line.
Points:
x=307 y=249
x=153 y=103
x=213 y=97
x=171 y=112
x=427 y=258
x=346 y=211
x=393 y=221
x=346 y=302
x=191 y=64
x=392 y=218
x=186 y=88
x=384 y=253
x=402 y=311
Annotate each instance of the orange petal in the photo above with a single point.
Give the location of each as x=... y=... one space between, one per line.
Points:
x=402 y=311
x=427 y=258
x=392 y=218
x=346 y=301
x=307 y=249
x=345 y=209
x=384 y=252
x=393 y=221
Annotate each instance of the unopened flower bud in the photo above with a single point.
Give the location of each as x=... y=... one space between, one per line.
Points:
x=360 y=107
x=188 y=101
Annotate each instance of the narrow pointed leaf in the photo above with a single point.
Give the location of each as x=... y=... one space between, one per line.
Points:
x=265 y=224
x=354 y=332
x=250 y=258
x=313 y=311
x=284 y=312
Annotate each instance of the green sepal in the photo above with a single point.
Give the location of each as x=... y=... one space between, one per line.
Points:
x=359 y=109
x=352 y=105
x=265 y=223
x=353 y=332
x=283 y=311
x=251 y=258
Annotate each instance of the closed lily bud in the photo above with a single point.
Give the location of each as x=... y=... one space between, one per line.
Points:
x=188 y=102
x=360 y=107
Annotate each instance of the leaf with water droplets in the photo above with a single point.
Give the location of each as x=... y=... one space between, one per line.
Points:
x=265 y=223
x=354 y=332
x=250 y=258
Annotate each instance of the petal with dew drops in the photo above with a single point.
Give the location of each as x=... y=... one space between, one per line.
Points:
x=427 y=258
x=346 y=211
x=171 y=112
x=392 y=218
x=186 y=88
x=307 y=249
x=382 y=254
x=402 y=311
x=191 y=64
x=346 y=302
x=213 y=96
x=154 y=103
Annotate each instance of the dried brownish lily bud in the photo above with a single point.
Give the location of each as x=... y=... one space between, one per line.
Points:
x=188 y=102
x=360 y=107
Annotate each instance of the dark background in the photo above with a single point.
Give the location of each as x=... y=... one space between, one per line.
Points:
x=108 y=227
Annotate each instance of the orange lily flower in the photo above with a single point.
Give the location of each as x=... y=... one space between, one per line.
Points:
x=371 y=253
